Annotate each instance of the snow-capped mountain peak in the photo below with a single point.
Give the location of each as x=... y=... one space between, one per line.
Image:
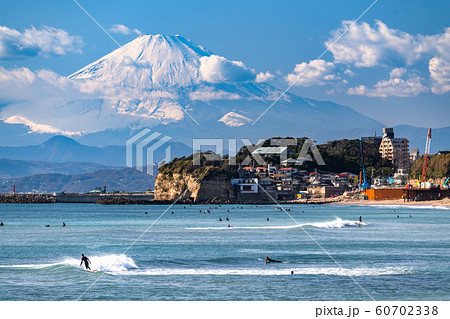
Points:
x=167 y=60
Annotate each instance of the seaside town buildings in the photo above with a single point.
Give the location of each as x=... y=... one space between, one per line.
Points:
x=414 y=154
x=395 y=149
x=286 y=183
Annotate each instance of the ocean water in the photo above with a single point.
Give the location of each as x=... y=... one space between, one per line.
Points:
x=190 y=255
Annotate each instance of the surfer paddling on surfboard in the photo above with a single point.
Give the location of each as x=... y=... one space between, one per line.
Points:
x=86 y=262
x=268 y=260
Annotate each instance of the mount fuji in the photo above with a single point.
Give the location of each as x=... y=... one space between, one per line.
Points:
x=178 y=88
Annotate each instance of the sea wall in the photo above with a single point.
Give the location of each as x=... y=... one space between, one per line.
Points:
x=27 y=198
x=101 y=198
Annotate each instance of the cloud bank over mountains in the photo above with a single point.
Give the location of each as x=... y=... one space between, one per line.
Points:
x=47 y=102
x=46 y=42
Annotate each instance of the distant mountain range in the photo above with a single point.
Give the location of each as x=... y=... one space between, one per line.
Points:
x=18 y=168
x=126 y=179
x=61 y=149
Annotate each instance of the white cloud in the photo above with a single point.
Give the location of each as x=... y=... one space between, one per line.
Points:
x=436 y=44
x=349 y=72
x=315 y=72
x=216 y=69
x=440 y=75
x=395 y=86
x=32 y=42
x=365 y=46
x=122 y=29
x=38 y=128
x=264 y=77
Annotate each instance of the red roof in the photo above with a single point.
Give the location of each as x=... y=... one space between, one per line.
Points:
x=285 y=168
x=248 y=167
x=261 y=168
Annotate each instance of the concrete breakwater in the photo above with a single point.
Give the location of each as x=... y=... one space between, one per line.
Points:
x=100 y=198
x=27 y=198
x=119 y=199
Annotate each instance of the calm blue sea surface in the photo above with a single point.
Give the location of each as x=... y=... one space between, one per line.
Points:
x=190 y=255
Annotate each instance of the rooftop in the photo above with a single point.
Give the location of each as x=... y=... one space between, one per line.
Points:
x=270 y=150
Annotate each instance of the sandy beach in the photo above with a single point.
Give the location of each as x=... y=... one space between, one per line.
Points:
x=440 y=203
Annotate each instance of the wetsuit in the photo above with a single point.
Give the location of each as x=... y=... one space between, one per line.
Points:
x=86 y=262
x=273 y=260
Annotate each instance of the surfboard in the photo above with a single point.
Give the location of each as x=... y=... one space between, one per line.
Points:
x=92 y=270
x=89 y=270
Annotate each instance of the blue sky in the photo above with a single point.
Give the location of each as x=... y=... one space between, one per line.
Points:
x=395 y=87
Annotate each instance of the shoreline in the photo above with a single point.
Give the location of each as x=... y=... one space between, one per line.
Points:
x=388 y=202
x=49 y=199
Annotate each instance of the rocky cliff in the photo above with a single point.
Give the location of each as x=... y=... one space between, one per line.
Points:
x=207 y=182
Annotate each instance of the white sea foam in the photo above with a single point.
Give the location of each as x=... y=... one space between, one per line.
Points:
x=337 y=223
x=267 y=271
x=245 y=227
x=30 y=266
x=108 y=263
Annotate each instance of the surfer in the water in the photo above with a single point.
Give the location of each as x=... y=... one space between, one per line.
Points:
x=86 y=261
x=268 y=260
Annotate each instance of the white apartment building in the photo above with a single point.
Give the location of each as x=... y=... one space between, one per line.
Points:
x=395 y=149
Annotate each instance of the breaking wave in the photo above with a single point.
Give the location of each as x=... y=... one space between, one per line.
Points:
x=335 y=271
x=108 y=263
x=337 y=223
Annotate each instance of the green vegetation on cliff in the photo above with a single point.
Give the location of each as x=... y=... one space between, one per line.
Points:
x=339 y=156
x=438 y=167
x=207 y=170
x=342 y=156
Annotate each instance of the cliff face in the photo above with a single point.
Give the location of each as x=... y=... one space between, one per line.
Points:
x=170 y=187
x=188 y=187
